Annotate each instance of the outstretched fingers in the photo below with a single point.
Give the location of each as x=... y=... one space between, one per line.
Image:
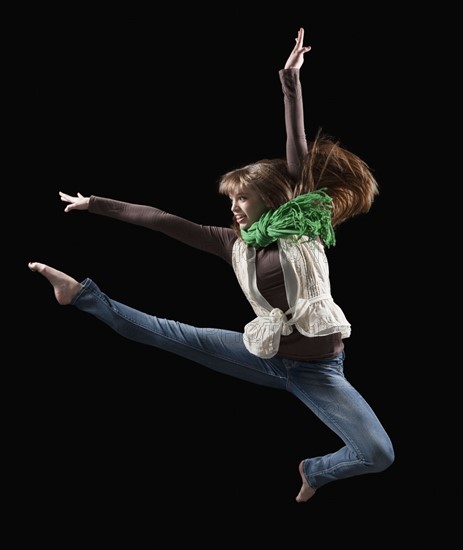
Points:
x=300 y=42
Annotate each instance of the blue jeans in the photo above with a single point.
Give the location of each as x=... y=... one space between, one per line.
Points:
x=320 y=385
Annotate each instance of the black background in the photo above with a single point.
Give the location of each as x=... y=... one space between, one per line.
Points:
x=130 y=443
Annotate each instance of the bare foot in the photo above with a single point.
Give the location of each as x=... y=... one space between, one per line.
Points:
x=306 y=491
x=65 y=286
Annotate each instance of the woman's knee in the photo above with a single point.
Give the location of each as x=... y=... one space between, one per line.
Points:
x=382 y=457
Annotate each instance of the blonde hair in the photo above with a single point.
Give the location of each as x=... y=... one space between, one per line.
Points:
x=342 y=174
x=269 y=178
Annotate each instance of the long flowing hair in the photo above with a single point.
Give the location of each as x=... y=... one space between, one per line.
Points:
x=343 y=175
x=346 y=178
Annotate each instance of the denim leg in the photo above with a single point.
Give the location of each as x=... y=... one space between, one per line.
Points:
x=324 y=389
x=321 y=385
x=217 y=349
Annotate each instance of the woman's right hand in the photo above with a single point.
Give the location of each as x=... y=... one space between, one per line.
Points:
x=75 y=203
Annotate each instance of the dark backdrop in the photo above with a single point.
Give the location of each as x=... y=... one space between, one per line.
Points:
x=129 y=440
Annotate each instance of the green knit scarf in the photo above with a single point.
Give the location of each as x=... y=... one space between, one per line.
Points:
x=306 y=215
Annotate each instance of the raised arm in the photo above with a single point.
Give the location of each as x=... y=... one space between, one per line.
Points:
x=296 y=142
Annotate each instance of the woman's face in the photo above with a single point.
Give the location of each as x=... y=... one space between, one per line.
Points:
x=247 y=207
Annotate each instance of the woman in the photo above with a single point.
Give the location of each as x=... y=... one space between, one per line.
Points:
x=284 y=215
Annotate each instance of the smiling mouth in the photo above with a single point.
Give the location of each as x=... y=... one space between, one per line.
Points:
x=239 y=219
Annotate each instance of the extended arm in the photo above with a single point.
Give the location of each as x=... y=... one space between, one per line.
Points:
x=296 y=142
x=215 y=240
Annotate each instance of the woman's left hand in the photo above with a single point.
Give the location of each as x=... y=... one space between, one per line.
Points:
x=296 y=58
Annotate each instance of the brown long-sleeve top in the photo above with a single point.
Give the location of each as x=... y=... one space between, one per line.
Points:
x=219 y=240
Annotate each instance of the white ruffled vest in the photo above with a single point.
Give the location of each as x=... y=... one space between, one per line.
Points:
x=312 y=309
